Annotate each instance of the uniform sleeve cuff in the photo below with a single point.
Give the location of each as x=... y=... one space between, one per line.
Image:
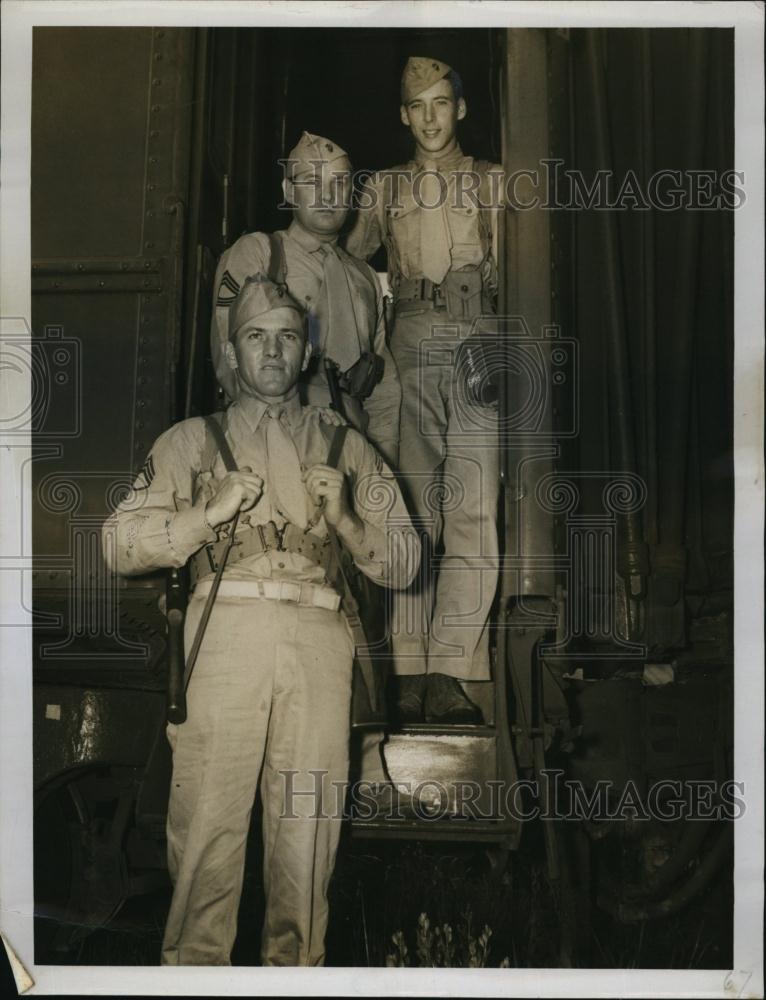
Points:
x=188 y=531
x=371 y=554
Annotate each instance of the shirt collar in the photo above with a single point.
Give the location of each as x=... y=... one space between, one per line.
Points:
x=305 y=239
x=253 y=409
x=448 y=162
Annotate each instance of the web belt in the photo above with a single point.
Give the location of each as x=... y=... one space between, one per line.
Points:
x=260 y=539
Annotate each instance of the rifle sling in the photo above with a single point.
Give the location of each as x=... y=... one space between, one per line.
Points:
x=341 y=583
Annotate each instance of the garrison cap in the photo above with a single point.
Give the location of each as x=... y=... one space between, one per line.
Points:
x=419 y=74
x=259 y=295
x=311 y=148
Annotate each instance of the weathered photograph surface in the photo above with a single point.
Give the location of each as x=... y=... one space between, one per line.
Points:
x=382 y=496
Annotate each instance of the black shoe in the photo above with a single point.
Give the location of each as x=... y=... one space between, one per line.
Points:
x=410 y=691
x=446 y=702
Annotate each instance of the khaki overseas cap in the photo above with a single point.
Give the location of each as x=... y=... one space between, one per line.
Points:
x=310 y=149
x=419 y=74
x=259 y=295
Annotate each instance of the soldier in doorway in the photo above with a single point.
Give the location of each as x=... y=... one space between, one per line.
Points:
x=346 y=320
x=435 y=215
x=340 y=293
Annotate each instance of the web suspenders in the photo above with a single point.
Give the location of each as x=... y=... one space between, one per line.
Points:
x=350 y=604
x=277 y=269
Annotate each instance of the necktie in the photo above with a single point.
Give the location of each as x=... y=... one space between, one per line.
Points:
x=341 y=334
x=435 y=243
x=288 y=494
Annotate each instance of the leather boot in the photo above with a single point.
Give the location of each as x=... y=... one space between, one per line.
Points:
x=446 y=702
x=410 y=691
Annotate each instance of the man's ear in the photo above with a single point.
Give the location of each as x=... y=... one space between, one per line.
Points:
x=462 y=109
x=231 y=355
x=288 y=191
x=404 y=115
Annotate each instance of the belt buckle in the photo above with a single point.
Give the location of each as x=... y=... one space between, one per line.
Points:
x=290 y=592
x=279 y=535
x=269 y=536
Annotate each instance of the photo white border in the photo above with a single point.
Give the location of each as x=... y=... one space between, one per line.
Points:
x=18 y=18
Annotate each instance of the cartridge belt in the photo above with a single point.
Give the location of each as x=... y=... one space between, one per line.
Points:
x=419 y=290
x=261 y=538
x=308 y=595
x=460 y=293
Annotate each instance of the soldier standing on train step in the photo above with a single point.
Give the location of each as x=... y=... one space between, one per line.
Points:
x=340 y=293
x=342 y=298
x=269 y=697
x=442 y=270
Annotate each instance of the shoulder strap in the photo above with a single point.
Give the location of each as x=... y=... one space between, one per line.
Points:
x=216 y=425
x=350 y=603
x=482 y=168
x=336 y=445
x=393 y=262
x=276 y=271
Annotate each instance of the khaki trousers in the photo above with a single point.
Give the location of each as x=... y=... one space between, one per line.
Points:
x=449 y=465
x=269 y=698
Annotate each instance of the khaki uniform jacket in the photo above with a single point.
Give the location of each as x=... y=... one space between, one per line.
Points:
x=304 y=277
x=389 y=214
x=161 y=522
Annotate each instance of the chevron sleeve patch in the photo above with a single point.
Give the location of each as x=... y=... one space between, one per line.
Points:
x=228 y=290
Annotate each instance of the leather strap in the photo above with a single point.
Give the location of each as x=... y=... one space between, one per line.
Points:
x=276 y=271
x=214 y=425
x=342 y=585
x=336 y=445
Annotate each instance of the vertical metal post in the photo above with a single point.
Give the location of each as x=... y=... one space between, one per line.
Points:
x=635 y=567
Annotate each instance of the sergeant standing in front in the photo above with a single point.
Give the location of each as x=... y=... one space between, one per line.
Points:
x=270 y=693
x=442 y=272
x=339 y=292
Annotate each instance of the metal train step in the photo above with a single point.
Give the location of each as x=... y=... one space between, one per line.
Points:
x=444 y=766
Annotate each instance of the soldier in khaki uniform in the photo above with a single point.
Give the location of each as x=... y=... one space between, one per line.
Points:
x=270 y=694
x=442 y=272
x=340 y=293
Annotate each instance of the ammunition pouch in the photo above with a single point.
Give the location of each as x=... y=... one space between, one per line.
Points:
x=258 y=540
x=362 y=377
x=461 y=294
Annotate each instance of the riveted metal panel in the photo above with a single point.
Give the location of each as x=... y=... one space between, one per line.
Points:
x=111 y=145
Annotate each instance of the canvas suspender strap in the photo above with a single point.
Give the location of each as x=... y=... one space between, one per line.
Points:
x=216 y=425
x=482 y=169
x=216 y=430
x=276 y=271
x=336 y=445
x=350 y=604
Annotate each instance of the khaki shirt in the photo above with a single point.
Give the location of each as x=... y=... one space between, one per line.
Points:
x=304 y=275
x=161 y=522
x=390 y=214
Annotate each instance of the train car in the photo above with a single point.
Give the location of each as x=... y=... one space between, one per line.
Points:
x=153 y=150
